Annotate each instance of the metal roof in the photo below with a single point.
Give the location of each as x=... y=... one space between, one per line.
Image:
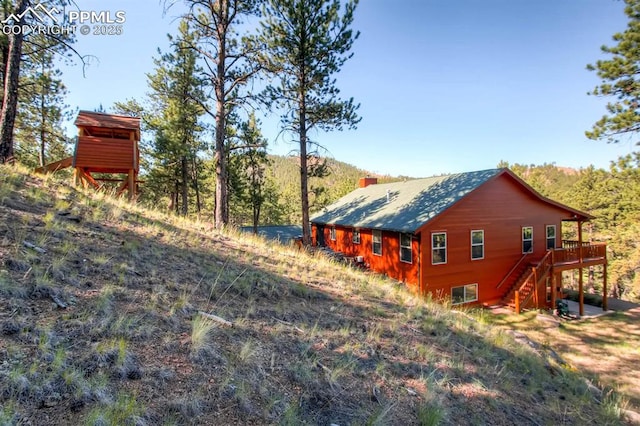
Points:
x=281 y=233
x=402 y=206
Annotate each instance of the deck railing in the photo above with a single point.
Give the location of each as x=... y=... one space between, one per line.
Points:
x=570 y=251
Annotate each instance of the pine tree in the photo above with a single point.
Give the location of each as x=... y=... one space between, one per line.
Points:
x=39 y=133
x=10 y=78
x=17 y=49
x=228 y=67
x=251 y=160
x=620 y=81
x=177 y=94
x=307 y=42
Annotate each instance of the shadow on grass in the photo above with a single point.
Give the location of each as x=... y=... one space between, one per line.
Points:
x=307 y=346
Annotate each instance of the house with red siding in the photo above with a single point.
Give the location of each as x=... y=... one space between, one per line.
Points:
x=481 y=237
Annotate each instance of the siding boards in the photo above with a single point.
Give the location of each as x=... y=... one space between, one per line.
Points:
x=97 y=154
x=501 y=207
x=389 y=263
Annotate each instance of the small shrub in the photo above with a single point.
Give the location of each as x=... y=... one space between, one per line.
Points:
x=201 y=329
x=125 y=410
x=430 y=414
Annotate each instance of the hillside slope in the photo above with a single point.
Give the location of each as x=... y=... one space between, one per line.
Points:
x=100 y=323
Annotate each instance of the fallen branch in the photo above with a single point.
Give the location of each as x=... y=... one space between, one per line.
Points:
x=26 y=274
x=59 y=302
x=34 y=247
x=289 y=324
x=216 y=319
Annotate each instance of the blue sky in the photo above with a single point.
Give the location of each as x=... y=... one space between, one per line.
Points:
x=444 y=85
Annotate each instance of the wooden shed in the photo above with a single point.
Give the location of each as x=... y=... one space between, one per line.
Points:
x=106 y=143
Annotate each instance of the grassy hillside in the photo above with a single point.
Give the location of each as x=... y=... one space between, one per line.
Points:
x=105 y=316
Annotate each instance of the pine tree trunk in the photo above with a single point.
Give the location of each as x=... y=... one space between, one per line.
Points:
x=255 y=205
x=185 y=185
x=196 y=184
x=5 y=54
x=10 y=94
x=221 y=211
x=43 y=122
x=5 y=59
x=304 y=173
x=591 y=280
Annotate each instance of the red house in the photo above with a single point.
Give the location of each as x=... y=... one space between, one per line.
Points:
x=482 y=237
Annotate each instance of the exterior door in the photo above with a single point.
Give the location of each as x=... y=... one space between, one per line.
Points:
x=320 y=235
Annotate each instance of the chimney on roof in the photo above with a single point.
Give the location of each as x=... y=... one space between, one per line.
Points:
x=366 y=181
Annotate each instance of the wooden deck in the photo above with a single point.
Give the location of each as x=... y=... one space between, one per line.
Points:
x=572 y=255
x=533 y=283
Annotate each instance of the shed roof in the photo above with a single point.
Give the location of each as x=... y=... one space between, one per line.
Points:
x=407 y=206
x=110 y=121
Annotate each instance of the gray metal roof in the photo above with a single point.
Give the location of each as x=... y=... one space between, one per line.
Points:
x=281 y=233
x=401 y=206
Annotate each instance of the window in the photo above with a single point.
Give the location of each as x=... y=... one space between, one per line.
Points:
x=405 y=248
x=477 y=244
x=527 y=239
x=355 y=236
x=377 y=242
x=464 y=294
x=332 y=233
x=551 y=237
x=438 y=248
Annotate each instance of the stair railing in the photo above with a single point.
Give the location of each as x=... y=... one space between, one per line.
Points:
x=512 y=270
x=531 y=285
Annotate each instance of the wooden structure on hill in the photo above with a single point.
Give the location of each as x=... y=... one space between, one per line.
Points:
x=106 y=144
x=482 y=237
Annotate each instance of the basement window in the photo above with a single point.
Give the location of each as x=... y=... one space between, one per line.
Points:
x=477 y=244
x=377 y=242
x=464 y=294
x=527 y=239
x=405 y=248
x=551 y=237
x=355 y=236
x=332 y=233
x=438 y=248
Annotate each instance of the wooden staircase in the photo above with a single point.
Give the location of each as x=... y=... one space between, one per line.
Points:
x=54 y=167
x=522 y=283
x=529 y=288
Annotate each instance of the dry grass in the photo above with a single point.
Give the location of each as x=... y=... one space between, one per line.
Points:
x=605 y=348
x=312 y=341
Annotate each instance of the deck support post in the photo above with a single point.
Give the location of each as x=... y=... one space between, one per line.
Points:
x=536 y=296
x=131 y=182
x=604 y=288
x=554 y=288
x=580 y=279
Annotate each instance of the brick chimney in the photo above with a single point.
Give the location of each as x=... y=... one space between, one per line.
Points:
x=366 y=181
